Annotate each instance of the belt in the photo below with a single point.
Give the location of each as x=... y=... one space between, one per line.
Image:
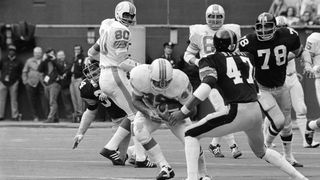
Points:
x=269 y=88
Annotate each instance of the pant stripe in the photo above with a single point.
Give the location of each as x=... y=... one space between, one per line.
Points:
x=273 y=125
x=213 y=123
x=123 y=88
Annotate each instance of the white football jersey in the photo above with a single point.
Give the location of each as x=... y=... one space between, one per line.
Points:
x=201 y=37
x=114 y=42
x=313 y=46
x=179 y=88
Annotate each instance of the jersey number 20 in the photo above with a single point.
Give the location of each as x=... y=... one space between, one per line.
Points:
x=234 y=73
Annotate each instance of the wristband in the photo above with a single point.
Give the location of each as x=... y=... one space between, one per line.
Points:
x=185 y=110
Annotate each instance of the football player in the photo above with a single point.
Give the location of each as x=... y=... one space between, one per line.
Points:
x=311 y=59
x=232 y=73
x=270 y=47
x=93 y=96
x=201 y=41
x=112 y=51
x=153 y=86
x=296 y=94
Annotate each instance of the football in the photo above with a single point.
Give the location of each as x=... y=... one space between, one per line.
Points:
x=172 y=106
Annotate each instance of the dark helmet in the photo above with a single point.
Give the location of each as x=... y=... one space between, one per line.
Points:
x=225 y=40
x=92 y=72
x=265 y=26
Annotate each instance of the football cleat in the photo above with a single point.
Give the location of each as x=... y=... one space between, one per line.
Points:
x=314 y=144
x=113 y=156
x=206 y=177
x=235 y=151
x=145 y=164
x=294 y=162
x=165 y=173
x=216 y=151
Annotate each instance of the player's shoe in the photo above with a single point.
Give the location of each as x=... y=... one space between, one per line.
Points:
x=206 y=177
x=294 y=162
x=235 y=151
x=216 y=151
x=132 y=160
x=314 y=144
x=113 y=156
x=309 y=138
x=145 y=164
x=165 y=173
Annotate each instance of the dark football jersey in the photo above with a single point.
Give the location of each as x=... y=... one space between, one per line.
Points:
x=234 y=75
x=88 y=91
x=271 y=57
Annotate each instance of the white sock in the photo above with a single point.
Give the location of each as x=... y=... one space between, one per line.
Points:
x=192 y=151
x=230 y=139
x=276 y=159
x=202 y=168
x=301 y=123
x=131 y=152
x=215 y=141
x=118 y=136
x=156 y=156
x=269 y=139
x=139 y=150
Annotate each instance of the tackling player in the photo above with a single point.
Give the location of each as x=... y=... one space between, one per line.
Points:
x=93 y=96
x=154 y=85
x=112 y=51
x=232 y=73
x=270 y=47
x=296 y=94
x=311 y=59
x=201 y=41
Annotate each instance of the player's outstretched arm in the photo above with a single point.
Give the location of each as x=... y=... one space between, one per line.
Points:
x=86 y=119
x=307 y=62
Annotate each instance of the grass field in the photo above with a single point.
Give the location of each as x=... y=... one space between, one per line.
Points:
x=35 y=153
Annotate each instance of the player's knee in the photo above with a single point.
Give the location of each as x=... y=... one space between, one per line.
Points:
x=141 y=133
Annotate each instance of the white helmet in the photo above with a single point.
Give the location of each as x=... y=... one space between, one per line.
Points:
x=125 y=13
x=161 y=74
x=282 y=21
x=215 y=16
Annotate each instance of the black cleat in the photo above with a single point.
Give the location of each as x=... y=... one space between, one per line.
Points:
x=165 y=173
x=145 y=164
x=216 y=151
x=113 y=156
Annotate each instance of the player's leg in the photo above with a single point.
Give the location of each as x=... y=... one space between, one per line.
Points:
x=256 y=142
x=179 y=131
x=313 y=125
x=299 y=106
x=142 y=128
x=213 y=125
x=115 y=84
x=218 y=103
x=273 y=114
x=286 y=135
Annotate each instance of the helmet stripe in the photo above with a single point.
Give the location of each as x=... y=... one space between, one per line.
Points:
x=131 y=9
x=231 y=36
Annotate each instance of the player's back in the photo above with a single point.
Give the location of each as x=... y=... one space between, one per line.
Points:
x=114 y=42
x=234 y=74
x=271 y=57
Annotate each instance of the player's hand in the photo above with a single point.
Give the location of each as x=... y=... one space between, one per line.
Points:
x=153 y=116
x=103 y=97
x=300 y=77
x=176 y=117
x=164 y=114
x=309 y=72
x=77 y=139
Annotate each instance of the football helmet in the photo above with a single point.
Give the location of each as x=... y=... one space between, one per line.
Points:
x=92 y=72
x=125 y=13
x=225 y=40
x=161 y=74
x=265 y=26
x=282 y=21
x=215 y=16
